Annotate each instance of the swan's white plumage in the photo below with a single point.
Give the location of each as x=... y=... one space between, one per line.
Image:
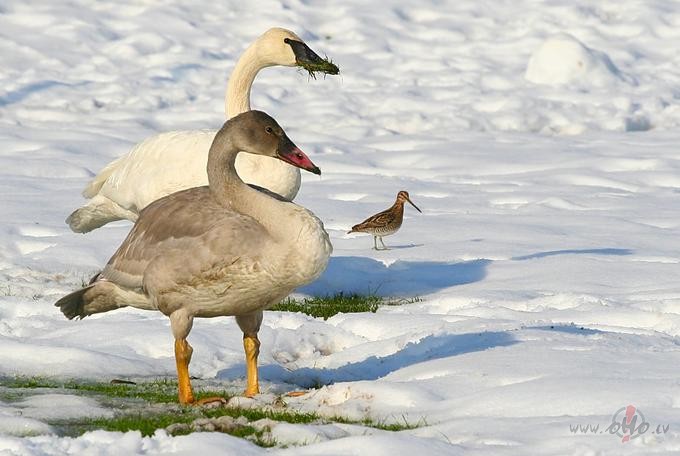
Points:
x=168 y=162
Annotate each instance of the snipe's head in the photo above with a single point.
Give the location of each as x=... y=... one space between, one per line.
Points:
x=279 y=46
x=258 y=133
x=402 y=197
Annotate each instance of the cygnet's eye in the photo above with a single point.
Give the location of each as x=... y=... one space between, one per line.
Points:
x=269 y=130
x=299 y=155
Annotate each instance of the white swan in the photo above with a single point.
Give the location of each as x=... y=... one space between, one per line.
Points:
x=224 y=249
x=173 y=161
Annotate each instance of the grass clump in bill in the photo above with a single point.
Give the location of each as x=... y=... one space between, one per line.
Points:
x=327 y=306
x=324 y=66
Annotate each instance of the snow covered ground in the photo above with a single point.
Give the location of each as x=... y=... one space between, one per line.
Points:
x=540 y=139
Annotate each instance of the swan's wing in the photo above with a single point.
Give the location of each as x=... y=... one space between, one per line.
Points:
x=156 y=167
x=183 y=243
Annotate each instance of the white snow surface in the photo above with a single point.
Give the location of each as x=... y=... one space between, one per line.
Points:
x=540 y=139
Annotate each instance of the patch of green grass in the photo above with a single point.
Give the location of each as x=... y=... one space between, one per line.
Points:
x=163 y=411
x=327 y=306
x=383 y=425
x=394 y=427
x=254 y=414
x=146 y=423
x=162 y=391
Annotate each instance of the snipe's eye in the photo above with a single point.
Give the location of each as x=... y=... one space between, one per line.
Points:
x=269 y=130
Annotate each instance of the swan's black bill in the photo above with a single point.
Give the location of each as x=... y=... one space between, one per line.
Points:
x=309 y=60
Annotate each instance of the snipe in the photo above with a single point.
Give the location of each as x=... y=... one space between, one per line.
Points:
x=386 y=222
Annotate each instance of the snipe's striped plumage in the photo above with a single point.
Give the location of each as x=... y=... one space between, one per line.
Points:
x=386 y=222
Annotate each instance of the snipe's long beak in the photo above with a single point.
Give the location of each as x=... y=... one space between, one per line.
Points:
x=409 y=200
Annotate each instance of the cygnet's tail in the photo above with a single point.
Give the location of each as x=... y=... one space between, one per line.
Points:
x=101 y=296
x=73 y=304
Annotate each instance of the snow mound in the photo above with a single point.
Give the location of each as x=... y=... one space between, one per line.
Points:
x=563 y=59
x=13 y=424
x=61 y=407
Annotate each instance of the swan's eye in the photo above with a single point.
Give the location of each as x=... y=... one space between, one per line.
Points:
x=269 y=130
x=299 y=155
x=286 y=40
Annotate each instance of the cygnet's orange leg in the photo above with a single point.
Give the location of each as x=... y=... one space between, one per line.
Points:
x=180 y=322
x=183 y=353
x=182 y=357
x=251 y=344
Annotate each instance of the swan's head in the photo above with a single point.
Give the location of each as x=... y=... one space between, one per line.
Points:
x=258 y=133
x=278 y=46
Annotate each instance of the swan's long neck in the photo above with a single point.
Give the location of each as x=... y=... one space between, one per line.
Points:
x=232 y=192
x=304 y=244
x=238 y=89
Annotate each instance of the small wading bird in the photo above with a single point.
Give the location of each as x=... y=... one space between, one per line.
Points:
x=386 y=222
x=224 y=249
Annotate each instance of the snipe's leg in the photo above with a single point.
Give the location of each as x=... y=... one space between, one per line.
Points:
x=250 y=325
x=383 y=244
x=375 y=242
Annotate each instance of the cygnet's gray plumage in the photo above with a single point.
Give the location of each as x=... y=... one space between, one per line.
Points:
x=224 y=249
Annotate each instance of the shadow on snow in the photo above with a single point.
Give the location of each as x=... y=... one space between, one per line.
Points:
x=405 y=278
x=362 y=275
x=569 y=329
x=372 y=368
x=605 y=251
x=353 y=274
x=19 y=94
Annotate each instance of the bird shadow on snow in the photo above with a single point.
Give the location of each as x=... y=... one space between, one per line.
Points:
x=362 y=275
x=374 y=367
x=352 y=274
x=404 y=246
